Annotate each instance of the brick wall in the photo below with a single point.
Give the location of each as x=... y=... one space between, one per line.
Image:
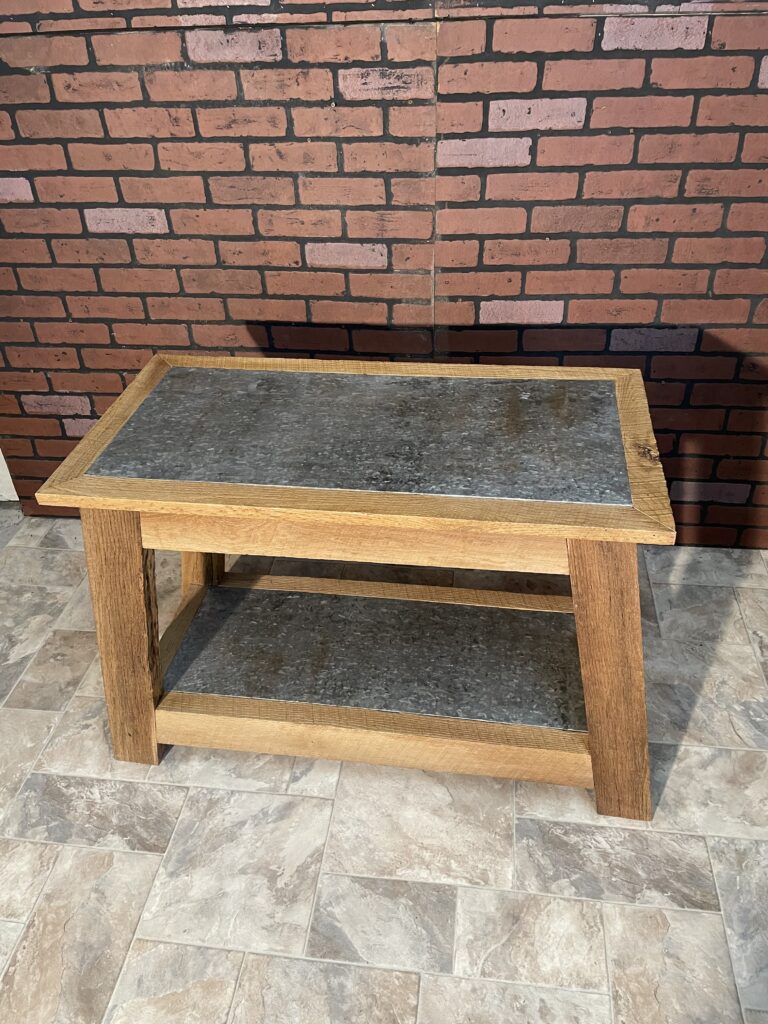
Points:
x=554 y=185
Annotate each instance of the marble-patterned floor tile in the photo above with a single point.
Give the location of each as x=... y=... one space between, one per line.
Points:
x=22 y=736
x=11 y=520
x=94 y=812
x=223 y=769
x=168 y=583
x=274 y=990
x=741 y=870
x=420 y=575
x=168 y=984
x=711 y=791
x=422 y=826
x=710 y=694
x=55 y=672
x=536 y=940
x=65 y=532
x=55 y=570
x=650 y=622
x=698 y=613
x=26 y=615
x=314 y=777
x=92 y=684
x=461 y=1001
x=756 y=1017
x=384 y=923
x=736 y=567
x=70 y=953
x=754 y=611
x=240 y=872
x=669 y=967
x=513 y=582
x=564 y=803
x=24 y=868
x=614 y=865
x=30 y=531
x=78 y=612
x=9 y=934
x=80 y=745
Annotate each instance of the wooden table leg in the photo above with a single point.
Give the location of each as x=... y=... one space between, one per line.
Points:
x=606 y=602
x=199 y=569
x=122 y=579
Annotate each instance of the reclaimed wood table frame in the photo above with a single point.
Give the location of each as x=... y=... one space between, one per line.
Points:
x=126 y=518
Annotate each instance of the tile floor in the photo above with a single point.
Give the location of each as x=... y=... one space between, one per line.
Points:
x=221 y=888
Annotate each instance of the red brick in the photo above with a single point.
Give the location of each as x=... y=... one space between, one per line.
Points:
x=93 y=307
x=345 y=191
x=687 y=419
x=481 y=283
x=149 y=122
x=454 y=118
x=523 y=311
x=34 y=426
x=57 y=279
x=59 y=124
x=43 y=52
x=621 y=250
x=300 y=223
x=107 y=383
x=38 y=359
x=15 y=190
x=689 y=367
x=391 y=286
x=601 y=75
x=690 y=311
x=346 y=254
x=734 y=110
x=486 y=77
x=252 y=190
x=57 y=449
x=664 y=282
x=392 y=342
x=743 y=469
x=383 y=83
x=114 y=359
x=334 y=45
x=130 y=49
x=411 y=256
x=569 y=282
x=245 y=46
x=267 y=309
x=702 y=72
x=641 y=111
x=120 y=157
x=185 y=308
x=230 y=336
x=556 y=114
x=532 y=35
x=687 y=469
x=176 y=189
x=744 y=281
x=257 y=254
x=583 y=219
x=568 y=339
x=23 y=89
x=747 y=420
x=305 y=84
x=740 y=339
x=413 y=314
x=383 y=156
x=22 y=381
x=727 y=183
x=154 y=335
x=676 y=218
x=191 y=85
x=455 y=313
x=221 y=282
x=687 y=148
x=761 y=498
x=72 y=334
x=7 y=280
x=749 y=515
x=611 y=311
x=484 y=152
x=324 y=339
x=718 y=444
x=462 y=253
x=532 y=186
x=9 y=406
x=32 y=158
x=76 y=190
x=659 y=33
x=460 y=38
x=16 y=332
x=740 y=33
x=245 y=121
x=91 y=250
x=755 y=149
x=22 y=250
x=499 y=220
x=514 y=251
x=293 y=156
x=748 y=217
x=6 y=126
x=457 y=188
x=140 y=281
x=212 y=222
x=201 y=156
x=327 y=311
x=35 y=222
x=754 y=368
x=127 y=220
x=340 y=121
x=30 y=305
x=97 y=87
x=303 y=282
x=411 y=43
x=754 y=538
x=389 y=224
x=577 y=151
x=475 y=341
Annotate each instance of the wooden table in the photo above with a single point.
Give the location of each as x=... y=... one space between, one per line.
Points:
x=535 y=470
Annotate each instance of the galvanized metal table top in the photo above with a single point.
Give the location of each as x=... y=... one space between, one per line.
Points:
x=545 y=440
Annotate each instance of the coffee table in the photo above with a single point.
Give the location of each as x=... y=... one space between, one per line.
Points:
x=529 y=470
